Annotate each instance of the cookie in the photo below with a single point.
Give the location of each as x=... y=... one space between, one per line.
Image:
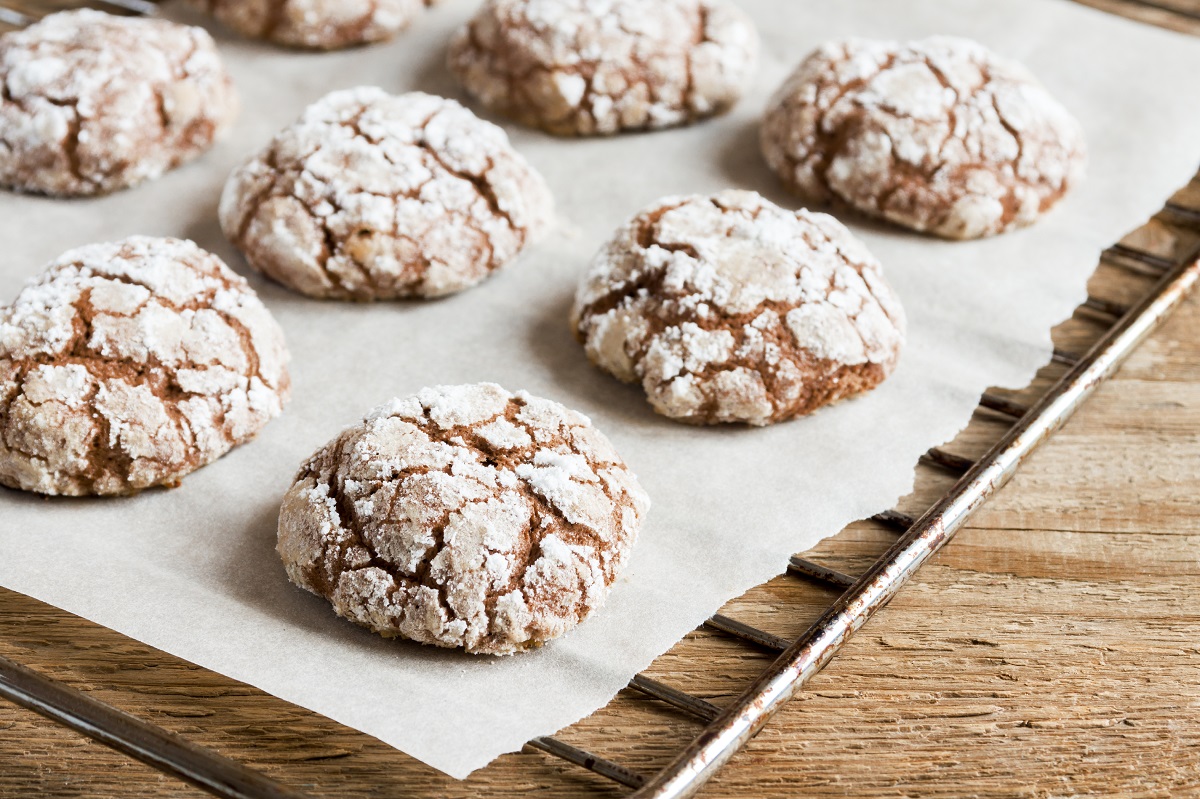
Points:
x=92 y=103
x=464 y=517
x=316 y=24
x=129 y=365
x=940 y=135
x=584 y=67
x=731 y=309
x=372 y=196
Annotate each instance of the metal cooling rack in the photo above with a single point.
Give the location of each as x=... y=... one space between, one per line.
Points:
x=726 y=730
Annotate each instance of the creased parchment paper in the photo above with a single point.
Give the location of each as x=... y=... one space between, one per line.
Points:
x=193 y=571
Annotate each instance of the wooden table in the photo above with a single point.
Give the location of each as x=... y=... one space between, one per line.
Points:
x=1049 y=651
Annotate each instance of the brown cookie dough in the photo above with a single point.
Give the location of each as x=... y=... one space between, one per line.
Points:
x=92 y=103
x=731 y=309
x=372 y=196
x=129 y=365
x=939 y=135
x=583 y=67
x=316 y=24
x=464 y=517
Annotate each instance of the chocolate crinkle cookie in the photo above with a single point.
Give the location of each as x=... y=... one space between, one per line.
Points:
x=316 y=24
x=939 y=135
x=464 y=517
x=730 y=309
x=129 y=365
x=92 y=103
x=374 y=196
x=583 y=67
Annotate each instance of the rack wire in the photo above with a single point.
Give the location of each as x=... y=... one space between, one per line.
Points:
x=726 y=730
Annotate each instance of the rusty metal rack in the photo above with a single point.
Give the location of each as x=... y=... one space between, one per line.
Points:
x=726 y=730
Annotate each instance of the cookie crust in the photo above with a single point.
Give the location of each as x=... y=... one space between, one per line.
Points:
x=730 y=309
x=940 y=135
x=373 y=196
x=92 y=103
x=463 y=517
x=316 y=24
x=129 y=365
x=585 y=67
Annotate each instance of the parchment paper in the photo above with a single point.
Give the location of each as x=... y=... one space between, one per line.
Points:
x=193 y=571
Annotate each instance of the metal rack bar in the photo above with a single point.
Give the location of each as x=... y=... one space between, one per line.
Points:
x=138 y=739
x=807 y=568
x=737 y=629
x=605 y=768
x=676 y=698
x=947 y=461
x=742 y=719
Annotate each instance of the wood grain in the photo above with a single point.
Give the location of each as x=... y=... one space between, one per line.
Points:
x=1049 y=651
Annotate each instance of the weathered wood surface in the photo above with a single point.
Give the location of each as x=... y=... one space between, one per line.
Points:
x=1049 y=651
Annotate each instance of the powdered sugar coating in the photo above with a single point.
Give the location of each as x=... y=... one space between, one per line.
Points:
x=129 y=365
x=373 y=196
x=731 y=309
x=92 y=103
x=465 y=516
x=316 y=24
x=939 y=135
x=582 y=67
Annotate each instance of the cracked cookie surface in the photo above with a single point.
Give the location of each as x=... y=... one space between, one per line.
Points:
x=940 y=135
x=316 y=24
x=584 y=67
x=128 y=365
x=731 y=309
x=373 y=196
x=463 y=517
x=92 y=103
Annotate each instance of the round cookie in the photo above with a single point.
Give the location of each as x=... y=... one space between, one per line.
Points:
x=731 y=309
x=463 y=517
x=92 y=103
x=372 y=196
x=129 y=365
x=940 y=135
x=316 y=24
x=583 y=67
